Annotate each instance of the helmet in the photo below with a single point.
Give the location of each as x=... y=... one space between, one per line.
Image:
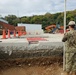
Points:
x=71 y=23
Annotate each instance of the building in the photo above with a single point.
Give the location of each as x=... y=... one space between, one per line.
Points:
x=20 y=28
x=32 y=28
x=4 y=25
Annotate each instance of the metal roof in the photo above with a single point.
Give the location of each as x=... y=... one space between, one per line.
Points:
x=3 y=21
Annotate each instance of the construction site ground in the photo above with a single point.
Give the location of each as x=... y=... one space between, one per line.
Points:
x=46 y=65
x=32 y=66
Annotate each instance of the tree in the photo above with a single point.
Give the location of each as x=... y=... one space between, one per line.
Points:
x=45 y=20
x=10 y=19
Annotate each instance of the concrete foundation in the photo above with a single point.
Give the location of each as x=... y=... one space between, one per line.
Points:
x=21 y=48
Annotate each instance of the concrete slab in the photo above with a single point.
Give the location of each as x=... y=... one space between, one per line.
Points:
x=21 y=47
x=9 y=45
x=27 y=36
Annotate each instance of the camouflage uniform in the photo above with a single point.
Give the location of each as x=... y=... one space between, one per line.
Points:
x=70 y=50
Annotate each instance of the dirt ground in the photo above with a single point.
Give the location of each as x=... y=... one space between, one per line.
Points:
x=32 y=66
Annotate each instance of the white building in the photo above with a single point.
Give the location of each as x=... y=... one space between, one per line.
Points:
x=32 y=28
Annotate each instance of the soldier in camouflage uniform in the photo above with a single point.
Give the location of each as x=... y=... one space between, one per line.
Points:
x=70 y=49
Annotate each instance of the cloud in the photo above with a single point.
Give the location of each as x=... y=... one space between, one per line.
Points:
x=71 y=4
x=33 y=7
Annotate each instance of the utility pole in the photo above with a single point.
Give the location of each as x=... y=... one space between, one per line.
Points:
x=64 y=16
x=64 y=32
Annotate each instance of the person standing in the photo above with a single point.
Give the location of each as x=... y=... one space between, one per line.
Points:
x=70 y=49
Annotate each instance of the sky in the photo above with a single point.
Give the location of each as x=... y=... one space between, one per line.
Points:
x=34 y=7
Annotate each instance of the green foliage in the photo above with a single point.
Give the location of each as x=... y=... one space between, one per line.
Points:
x=12 y=19
x=45 y=20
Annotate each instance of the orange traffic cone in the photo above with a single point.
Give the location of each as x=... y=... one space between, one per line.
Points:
x=8 y=33
x=4 y=34
x=18 y=33
x=14 y=33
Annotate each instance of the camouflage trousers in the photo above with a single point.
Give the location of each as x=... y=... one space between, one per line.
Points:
x=70 y=62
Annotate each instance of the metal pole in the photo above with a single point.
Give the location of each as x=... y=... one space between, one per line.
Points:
x=64 y=16
x=64 y=32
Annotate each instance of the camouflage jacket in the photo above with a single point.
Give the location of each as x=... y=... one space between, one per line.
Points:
x=70 y=41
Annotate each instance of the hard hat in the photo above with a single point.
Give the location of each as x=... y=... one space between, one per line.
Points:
x=71 y=23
